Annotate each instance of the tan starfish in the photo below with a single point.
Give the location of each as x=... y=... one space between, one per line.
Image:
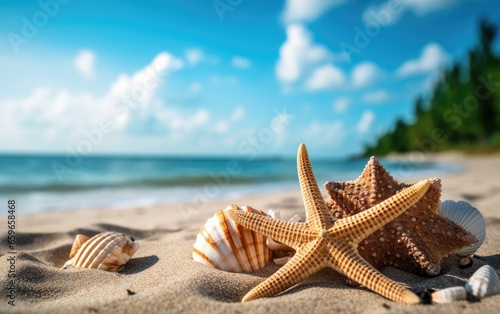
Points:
x=323 y=241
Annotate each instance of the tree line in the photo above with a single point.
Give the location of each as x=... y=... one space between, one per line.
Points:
x=462 y=111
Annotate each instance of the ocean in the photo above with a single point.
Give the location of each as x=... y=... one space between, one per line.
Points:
x=55 y=183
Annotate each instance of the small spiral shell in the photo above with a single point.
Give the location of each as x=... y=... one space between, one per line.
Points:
x=449 y=295
x=484 y=282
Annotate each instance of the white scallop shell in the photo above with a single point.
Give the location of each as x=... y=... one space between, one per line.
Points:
x=282 y=253
x=449 y=295
x=106 y=251
x=227 y=246
x=274 y=213
x=484 y=282
x=469 y=218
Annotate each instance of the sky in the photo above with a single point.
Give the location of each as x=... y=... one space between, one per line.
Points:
x=228 y=77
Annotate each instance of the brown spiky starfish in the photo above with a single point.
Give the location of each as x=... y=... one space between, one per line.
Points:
x=323 y=241
x=416 y=241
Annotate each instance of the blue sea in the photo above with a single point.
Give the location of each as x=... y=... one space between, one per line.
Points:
x=54 y=183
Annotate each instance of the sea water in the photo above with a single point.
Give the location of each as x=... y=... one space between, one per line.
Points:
x=52 y=183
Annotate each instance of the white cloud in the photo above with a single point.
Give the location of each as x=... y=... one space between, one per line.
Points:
x=138 y=89
x=194 y=56
x=341 y=104
x=389 y=12
x=366 y=121
x=179 y=122
x=129 y=103
x=325 y=78
x=137 y=92
x=279 y=125
x=223 y=80
x=223 y=126
x=237 y=114
x=196 y=87
x=240 y=62
x=330 y=133
x=365 y=73
x=377 y=97
x=432 y=58
x=298 y=53
x=423 y=7
x=303 y=10
x=85 y=63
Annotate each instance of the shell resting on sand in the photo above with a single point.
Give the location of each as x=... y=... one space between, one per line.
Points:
x=106 y=251
x=449 y=295
x=225 y=245
x=281 y=253
x=469 y=218
x=484 y=282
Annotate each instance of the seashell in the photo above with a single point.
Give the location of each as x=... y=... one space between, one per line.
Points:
x=281 y=252
x=449 y=295
x=469 y=218
x=274 y=245
x=107 y=251
x=484 y=282
x=298 y=218
x=274 y=213
x=465 y=262
x=80 y=239
x=227 y=246
x=277 y=215
x=280 y=261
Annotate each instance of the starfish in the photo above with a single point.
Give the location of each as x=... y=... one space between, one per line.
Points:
x=416 y=241
x=323 y=241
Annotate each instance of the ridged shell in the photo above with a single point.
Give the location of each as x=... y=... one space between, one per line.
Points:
x=225 y=245
x=80 y=239
x=469 y=218
x=108 y=251
x=449 y=295
x=484 y=282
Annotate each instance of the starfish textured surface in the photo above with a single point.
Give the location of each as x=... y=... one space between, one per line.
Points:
x=323 y=241
x=416 y=241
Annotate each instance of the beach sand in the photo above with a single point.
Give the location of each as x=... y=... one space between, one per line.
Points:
x=163 y=278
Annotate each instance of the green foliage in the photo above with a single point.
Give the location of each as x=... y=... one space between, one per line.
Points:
x=495 y=139
x=463 y=111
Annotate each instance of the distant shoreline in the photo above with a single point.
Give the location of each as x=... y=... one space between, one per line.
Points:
x=203 y=180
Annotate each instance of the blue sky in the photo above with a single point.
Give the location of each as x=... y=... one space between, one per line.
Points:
x=221 y=77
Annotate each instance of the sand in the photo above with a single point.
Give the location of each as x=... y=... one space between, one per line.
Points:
x=163 y=278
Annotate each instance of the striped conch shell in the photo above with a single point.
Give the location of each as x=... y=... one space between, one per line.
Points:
x=484 y=282
x=225 y=245
x=107 y=251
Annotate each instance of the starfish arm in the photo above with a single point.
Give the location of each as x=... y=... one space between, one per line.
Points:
x=423 y=258
x=286 y=232
x=316 y=209
x=302 y=265
x=348 y=262
x=359 y=226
